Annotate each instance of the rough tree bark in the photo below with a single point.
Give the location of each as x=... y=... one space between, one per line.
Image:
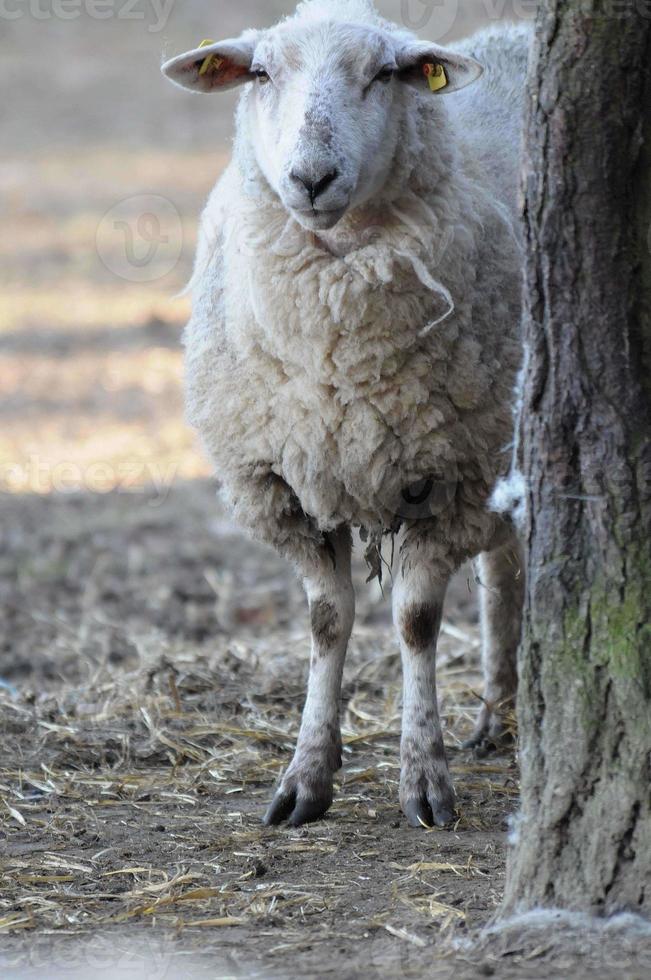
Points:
x=585 y=665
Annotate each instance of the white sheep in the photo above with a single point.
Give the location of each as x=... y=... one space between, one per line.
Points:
x=355 y=340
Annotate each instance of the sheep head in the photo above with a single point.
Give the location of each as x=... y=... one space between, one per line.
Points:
x=327 y=92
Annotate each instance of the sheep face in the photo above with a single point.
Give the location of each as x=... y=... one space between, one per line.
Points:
x=326 y=104
x=325 y=116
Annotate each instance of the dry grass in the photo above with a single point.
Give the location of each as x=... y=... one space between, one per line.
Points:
x=147 y=736
x=119 y=807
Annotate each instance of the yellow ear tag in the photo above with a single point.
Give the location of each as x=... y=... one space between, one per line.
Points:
x=436 y=77
x=211 y=60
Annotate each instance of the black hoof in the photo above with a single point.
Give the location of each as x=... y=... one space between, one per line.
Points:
x=280 y=808
x=296 y=808
x=483 y=744
x=421 y=812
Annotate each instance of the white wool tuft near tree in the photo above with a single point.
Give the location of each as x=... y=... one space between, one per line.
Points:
x=354 y=343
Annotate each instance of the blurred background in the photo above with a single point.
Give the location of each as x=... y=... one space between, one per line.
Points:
x=104 y=171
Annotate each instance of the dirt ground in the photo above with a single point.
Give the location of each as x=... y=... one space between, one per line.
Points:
x=152 y=660
x=160 y=661
x=155 y=666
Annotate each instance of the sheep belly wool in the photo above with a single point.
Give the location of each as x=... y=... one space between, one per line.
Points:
x=366 y=376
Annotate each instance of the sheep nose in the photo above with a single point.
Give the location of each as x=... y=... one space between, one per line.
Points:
x=314 y=187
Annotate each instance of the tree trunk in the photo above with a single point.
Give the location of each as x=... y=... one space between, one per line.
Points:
x=584 y=837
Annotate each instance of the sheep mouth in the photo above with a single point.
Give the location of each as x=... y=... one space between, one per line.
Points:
x=320 y=219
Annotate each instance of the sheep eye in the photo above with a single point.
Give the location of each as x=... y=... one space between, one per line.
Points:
x=385 y=75
x=262 y=75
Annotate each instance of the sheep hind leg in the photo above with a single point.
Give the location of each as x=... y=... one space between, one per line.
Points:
x=501 y=597
x=305 y=791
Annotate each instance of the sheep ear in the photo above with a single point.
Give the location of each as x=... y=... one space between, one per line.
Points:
x=213 y=66
x=436 y=70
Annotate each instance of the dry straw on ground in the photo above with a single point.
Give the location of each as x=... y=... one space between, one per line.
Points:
x=161 y=663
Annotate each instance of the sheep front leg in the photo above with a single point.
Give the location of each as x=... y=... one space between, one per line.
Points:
x=501 y=597
x=305 y=791
x=426 y=792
